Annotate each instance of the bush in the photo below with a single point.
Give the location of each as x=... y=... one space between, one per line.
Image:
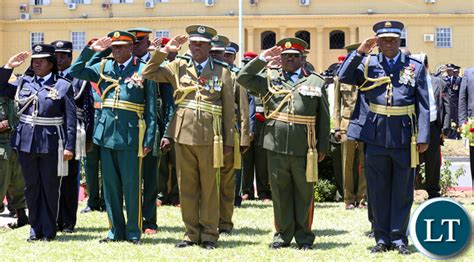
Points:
x=447 y=178
x=324 y=191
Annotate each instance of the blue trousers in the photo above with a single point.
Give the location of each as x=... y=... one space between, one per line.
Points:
x=390 y=183
x=41 y=192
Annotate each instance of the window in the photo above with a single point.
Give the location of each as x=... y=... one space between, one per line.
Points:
x=267 y=40
x=305 y=35
x=162 y=33
x=78 y=2
x=122 y=1
x=78 y=40
x=337 y=39
x=39 y=2
x=403 y=38
x=161 y=1
x=443 y=37
x=36 y=38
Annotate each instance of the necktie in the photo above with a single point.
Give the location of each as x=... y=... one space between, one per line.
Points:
x=61 y=74
x=40 y=81
x=121 y=67
x=199 y=69
x=391 y=63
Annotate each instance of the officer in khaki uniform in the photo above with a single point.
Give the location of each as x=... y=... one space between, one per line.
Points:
x=202 y=129
x=11 y=178
x=296 y=136
x=345 y=97
x=126 y=128
x=232 y=160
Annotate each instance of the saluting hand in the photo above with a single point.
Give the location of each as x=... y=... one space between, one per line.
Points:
x=17 y=60
x=156 y=42
x=367 y=45
x=274 y=62
x=271 y=53
x=174 y=45
x=101 y=44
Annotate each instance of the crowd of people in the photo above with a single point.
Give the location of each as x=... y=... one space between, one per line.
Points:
x=153 y=128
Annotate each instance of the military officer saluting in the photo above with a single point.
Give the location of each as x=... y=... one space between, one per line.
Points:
x=45 y=137
x=126 y=128
x=345 y=97
x=295 y=135
x=202 y=129
x=85 y=118
x=395 y=130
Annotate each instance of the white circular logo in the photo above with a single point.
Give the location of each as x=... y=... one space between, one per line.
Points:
x=59 y=44
x=38 y=48
x=201 y=29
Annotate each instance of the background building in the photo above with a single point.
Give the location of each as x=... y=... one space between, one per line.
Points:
x=441 y=28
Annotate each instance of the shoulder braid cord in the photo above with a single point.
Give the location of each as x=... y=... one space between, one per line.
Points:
x=83 y=86
x=289 y=98
x=218 y=146
x=115 y=84
x=22 y=104
x=389 y=98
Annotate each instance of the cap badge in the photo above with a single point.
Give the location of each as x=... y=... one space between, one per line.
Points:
x=215 y=38
x=201 y=29
x=388 y=24
x=117 y=34
x=38 y=48
x=288 y=44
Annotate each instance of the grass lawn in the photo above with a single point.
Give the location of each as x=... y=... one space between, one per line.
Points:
x=340 y=235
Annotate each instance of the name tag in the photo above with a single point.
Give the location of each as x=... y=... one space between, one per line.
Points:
x=310 y=91
x=259 y=109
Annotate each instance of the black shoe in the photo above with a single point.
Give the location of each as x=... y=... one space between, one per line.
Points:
x=88 y=209
x=224 y=232
x=371 y=234
x=278 y=245
x=68 y=230
x=135 y=241
x=107 y=240
x=185 y=243
x=32 y=239
x=47 y=239
x=379 y=248
x=305 y=247
x=208 y=245
x=402 y=249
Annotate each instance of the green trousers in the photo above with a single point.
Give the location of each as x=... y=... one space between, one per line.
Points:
x=150 y=191
x=293 y=201
x=94 y=188
x=12 y=181
x=122 y=180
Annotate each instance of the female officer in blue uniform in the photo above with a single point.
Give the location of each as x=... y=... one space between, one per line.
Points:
x=45 y=137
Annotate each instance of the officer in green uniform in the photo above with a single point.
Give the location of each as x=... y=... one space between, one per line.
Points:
x=126 y=128
x=295 y=135
x=345 y=97
x=11 y=178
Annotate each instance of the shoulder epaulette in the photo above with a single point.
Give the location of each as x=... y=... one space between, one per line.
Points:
x=222 y=63
x=185 y=57
x=416 y=60
x=318 y=75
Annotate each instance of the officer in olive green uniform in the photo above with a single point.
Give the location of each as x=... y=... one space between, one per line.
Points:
x=345 y=97
x=11 y=178
x=202 y=128
x=126 y=128
x=295 y=134
x=232 y=160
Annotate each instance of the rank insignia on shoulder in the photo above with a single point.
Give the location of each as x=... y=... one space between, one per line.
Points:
x=310 y=90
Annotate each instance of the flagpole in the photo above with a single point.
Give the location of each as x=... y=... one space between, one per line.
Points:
x=241 y=32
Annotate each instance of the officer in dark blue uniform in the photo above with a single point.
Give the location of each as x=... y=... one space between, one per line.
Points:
x=45 y=136
x=395 y=129
x=453 y=83
x=85 y=118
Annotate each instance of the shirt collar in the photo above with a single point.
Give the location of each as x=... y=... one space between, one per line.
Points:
x=296 y=73
x=65 y=71
x=45 y=78
x=126 y=62
x=395 y=58
x=145 y=57
x=203 y=64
